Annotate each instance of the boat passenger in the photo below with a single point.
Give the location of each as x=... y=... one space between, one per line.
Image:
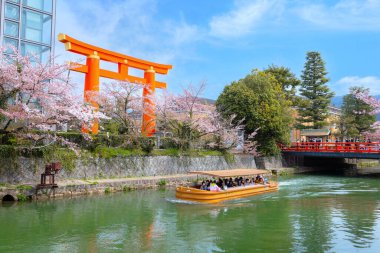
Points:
x=241 y=181
x=214 y=187
x=220 y=183
x=257 y=179
x=230 y=183
x=203 y=186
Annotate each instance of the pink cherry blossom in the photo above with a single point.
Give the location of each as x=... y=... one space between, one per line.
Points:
x=374 y=103
x=123 y=102
x=39 y=96
x=187 y=109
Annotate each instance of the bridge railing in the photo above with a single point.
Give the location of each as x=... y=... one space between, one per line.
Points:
x=348 y=147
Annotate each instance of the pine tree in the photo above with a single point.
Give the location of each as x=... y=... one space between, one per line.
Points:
x=313 y=109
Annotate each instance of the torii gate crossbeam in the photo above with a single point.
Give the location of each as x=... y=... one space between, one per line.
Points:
x=93 y=73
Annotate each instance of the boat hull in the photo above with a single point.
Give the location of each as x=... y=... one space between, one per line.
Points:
x=197 y=195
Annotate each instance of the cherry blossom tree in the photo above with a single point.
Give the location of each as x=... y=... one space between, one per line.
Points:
x=180 y=115
x=250 y=145
x=374 y=103
x=367 y=98
x=189 y=118
x=122 y=102
x=38 y=96
x=375 y=136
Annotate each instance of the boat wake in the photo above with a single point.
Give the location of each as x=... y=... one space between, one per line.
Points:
x=180 y=201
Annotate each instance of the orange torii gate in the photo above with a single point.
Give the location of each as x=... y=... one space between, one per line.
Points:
x=93 y=73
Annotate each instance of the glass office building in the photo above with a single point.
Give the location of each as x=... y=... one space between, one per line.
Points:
x=29 y=26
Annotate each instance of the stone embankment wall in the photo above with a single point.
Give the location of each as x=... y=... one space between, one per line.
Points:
x=100 y=175
x=269 y=163
x=28 y=170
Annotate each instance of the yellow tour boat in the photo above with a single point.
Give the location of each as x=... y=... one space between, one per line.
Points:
x=206 y=196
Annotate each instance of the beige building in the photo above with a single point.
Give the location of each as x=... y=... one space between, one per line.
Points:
x=326 y=133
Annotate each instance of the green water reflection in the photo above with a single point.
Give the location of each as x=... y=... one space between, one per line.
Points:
x=308 y=214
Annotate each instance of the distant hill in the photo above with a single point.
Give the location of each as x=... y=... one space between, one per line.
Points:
x=338 y=101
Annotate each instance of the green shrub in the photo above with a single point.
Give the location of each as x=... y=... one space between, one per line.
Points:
x=7 y=151
x=230 y=158
x=107 y=190
x=75 y=137
x=167 y=152
x=8 y=139
x=112 y=140
x=65 y=156
x=24 y=187
x=147 y=144
x=117 y=140
x=126 y=188
x=92 y=182
x=110 y=152
x=22 y=197
x=162 y=182
x=168 y=143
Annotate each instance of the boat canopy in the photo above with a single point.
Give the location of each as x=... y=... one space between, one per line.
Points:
x=230 y=173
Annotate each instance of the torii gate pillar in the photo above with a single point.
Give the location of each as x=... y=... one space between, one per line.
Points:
x=148 y=125
x=91 y=86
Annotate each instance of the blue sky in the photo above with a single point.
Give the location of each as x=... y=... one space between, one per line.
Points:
x=220 y=41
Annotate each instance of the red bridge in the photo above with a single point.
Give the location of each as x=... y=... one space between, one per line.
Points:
x=364 y=150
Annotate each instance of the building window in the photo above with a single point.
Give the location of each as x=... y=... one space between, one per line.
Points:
x=11 y=28
x=8 y=42
x=14 y=1
x=12 y=11
x=42 y=53
x=43 y=5
x=36 y=26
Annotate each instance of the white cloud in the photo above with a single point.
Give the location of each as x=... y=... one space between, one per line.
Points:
x=243 y=19
x=341 y=87
x=345 y=14
x=131 y=27
x=106 y=24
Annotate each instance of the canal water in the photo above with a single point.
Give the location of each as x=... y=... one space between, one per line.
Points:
x=309 y=214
